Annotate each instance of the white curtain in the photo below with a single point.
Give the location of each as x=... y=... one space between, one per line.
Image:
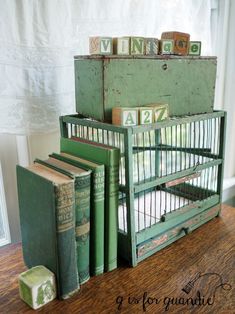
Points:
x=38 y=40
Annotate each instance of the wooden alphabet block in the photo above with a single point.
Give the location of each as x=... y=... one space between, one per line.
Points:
x=167 y=46
x=37 y=286
x=121 y=45
x=181 y=42
x=101 y=45
x=137 y=45
x=194 y=48
x=146 y=115
x=125 y=116
x=151 y=46
x=160 y=111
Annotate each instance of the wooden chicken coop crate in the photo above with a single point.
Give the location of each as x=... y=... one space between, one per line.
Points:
x=170 y=176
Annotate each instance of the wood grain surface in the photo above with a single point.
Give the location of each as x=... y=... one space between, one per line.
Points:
x=155 y=285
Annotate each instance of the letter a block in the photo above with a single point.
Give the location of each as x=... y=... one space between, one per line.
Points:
x=125 y=116
x=167 y=46
x=101 y=45
x=37 y=286
x=145 y=115
x=121 y=46
x=151 y=46
x=194 y=48
x=137 y=45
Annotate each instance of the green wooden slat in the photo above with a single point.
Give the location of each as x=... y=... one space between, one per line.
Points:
x=173 y=239
x=153 y=182
x=160 y=227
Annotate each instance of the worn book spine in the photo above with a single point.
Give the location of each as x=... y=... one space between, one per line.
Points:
x=109 y=156
x=82 y=210
x=111 y=214
x=97 y=206
x=97 y=222
x=65 y=220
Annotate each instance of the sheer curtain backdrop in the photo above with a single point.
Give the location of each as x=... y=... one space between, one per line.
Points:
x=38 y=40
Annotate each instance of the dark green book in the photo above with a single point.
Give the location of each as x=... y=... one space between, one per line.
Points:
x=97 y=208
x=47 y=218
x=110 y=157
x=82 y=211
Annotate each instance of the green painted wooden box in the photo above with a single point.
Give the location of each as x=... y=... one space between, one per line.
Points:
x=186 y=83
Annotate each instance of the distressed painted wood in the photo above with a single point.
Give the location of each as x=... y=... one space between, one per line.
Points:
x=194 y=48
x=125 y=116
x=180 y=41
x=151 y=46
x=100 y=45
x=102 y=83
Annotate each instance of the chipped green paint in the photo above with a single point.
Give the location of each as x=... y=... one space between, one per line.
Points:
x=102 y=83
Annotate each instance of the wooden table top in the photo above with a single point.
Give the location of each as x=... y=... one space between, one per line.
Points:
x=155 y=285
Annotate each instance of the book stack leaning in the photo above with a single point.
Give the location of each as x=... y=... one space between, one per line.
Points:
x=68 y=212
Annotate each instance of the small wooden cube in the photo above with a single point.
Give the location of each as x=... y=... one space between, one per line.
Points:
x=137 y=45
x=151 y=46
x=160 y=111
x=37 y=286
x=167 y=46
x=125 y=116
x=101 y=45
x=181 y=42
x=121 y=45
x=146 y=115
x=194 y=48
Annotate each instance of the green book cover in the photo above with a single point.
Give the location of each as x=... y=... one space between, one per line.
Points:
x=47 y=218
x=82 y=211
x=110 y=157
x=97 y=208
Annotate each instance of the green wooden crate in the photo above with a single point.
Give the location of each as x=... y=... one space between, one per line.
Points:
x=170 y=176
x=185 y=83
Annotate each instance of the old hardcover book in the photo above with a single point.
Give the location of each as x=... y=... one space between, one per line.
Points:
x=97 y=208
x=82 y=211
x=110 y=157
x=47 y=218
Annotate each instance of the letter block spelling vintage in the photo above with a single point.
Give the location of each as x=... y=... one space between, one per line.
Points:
x=170 y=176
x=151 y=46
x=194 y=48
x=167 y=47
x=121 y=45
x=101 y=45
x=105 y=82
x=37 y=286
x=137 y=45
x=181 y=42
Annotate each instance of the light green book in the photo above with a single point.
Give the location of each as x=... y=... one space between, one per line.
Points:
x=97 y=208
x=82 y=211
x=109 y=156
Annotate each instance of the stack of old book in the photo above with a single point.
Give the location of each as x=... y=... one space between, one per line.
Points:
x=68 y=212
